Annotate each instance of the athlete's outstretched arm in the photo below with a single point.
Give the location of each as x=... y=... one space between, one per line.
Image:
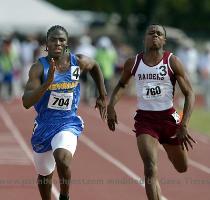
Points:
x=34 y=89
x=187 y=90
x=88 y=64
x=117 y=93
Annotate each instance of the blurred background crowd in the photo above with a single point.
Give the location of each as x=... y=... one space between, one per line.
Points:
x=109 y=35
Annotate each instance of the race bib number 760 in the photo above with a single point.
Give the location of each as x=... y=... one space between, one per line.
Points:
x=60 y=101
x=153 y=91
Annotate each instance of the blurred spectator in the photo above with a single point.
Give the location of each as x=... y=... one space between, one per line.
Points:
x=189 y=57
x=28 y=47
x=106 y=56
x=17 y=67
x=7 y=60
x=124 y=51
x=204 y=73
x=85 y=47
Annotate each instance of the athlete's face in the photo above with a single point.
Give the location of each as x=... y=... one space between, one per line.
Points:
x=57 y=43
x=154 y=37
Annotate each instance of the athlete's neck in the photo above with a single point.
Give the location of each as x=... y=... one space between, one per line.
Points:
x=152 y=57
x=61 y=60
x=62 y=63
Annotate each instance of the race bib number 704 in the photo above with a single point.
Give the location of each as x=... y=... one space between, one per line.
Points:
x=60 y=101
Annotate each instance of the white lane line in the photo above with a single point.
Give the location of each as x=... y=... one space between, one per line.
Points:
x=17 y=135
x=92 y=145
x=202 y=138
x=101 y=152
x=10 y=154
x=199 y=166
x=10 y=151
x=126 y=129
x=120 y=126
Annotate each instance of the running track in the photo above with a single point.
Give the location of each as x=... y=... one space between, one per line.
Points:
x=106 y=165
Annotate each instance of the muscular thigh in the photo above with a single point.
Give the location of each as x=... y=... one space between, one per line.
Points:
x=147 y=146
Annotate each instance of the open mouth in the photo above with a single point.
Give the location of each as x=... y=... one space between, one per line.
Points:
x=58 y=50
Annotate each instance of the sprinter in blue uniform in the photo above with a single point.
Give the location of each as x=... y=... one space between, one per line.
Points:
x=53 y=89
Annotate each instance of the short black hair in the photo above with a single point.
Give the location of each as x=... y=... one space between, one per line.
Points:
x=56 y=27
x=156 y=24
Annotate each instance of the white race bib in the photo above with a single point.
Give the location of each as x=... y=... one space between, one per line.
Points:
x=153 y=91
x=60 y=101
x=75 y=73
x=176 y=117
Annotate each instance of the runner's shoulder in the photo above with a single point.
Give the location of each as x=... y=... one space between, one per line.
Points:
x=37 y=68
x=129 y=63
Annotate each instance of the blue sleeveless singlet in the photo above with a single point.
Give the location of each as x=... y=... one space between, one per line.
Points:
x=57 y=109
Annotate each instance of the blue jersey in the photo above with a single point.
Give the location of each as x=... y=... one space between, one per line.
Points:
x=57 y=109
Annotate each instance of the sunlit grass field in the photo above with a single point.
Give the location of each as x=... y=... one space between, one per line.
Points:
x=200 y=121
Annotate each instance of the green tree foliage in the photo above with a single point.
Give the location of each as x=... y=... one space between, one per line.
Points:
x=189 y=15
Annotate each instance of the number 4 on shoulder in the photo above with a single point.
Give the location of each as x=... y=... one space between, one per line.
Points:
x=75 y=72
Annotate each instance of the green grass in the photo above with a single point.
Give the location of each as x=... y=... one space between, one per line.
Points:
x=200 y=121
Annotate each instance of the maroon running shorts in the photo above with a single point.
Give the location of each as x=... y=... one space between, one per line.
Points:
x=159 y=124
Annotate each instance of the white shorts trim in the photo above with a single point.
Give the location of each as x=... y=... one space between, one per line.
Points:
x=45 y=162
x=65 y=140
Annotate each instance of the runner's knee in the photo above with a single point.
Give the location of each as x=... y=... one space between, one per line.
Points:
x=62 y=159
x=43 y=180
x=62 y=164
x=150 y=169
x=183 y=168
